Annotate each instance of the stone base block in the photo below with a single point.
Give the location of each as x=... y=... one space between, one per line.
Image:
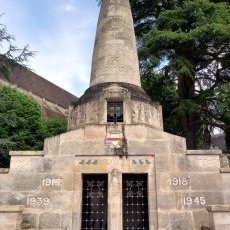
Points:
x=219 y=217
x=11 y=217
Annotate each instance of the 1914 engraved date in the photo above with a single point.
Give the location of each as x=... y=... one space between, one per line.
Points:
x=51 y=182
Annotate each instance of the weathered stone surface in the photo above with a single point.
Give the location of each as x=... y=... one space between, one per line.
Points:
x=219 y=216
x=166 y=200
x=55 y=221
x=136 y=111
x=200 y=218
x=29 y=164
x=225 y=170
x=198 y=200
x=177 y=144
x=182 y=164
x=51 y=145
x=4 y=170
x=225 y=176
x=163 y=220
x=203 y=162
x=30 y=220
x=164 y=163
x=206 y=181
x=173 y=181
x=150 y=147
x=115 y=55
x=11 y=217
x=181 y=221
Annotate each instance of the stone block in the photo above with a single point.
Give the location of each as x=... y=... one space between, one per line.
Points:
x=206 y=181
x=163 y=220
x=200 y=218
x=50 y=200
x=226 y=197
x=152 y=201
x=96 y=147
x=41 y=165
x=25 y=182
x=148 y=147
x=166 y=200
x=181 y=221
x=225 y=170
x=52 y=221
x=222 y=227
x=63 y=164
x=68 y=180
x=219 y=216
x=177 y=144
x=152 y=133
x=29 y=220
x=51 y=145
x=135 y=133
x=173 y=181
x=201 y=163
x=94 y=132
x=193 y=200
x=75 y=135
x=11 y=217
x=226 y=181
x=13 y=198
x=72 y=148
x=4 y=170
x=5 y=182
x=35 y=182
x=182 y=163
x=153 y=219
x=164 y=163
x=30 y=164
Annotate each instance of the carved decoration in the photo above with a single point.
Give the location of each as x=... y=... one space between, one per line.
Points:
x=115 y=173
x=88 y=162
x=87 y=113
x=141 y=162
x=145 y=113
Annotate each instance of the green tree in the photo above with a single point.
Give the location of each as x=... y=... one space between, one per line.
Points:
x=21 y=124
x=187 y=42
x=10 y=54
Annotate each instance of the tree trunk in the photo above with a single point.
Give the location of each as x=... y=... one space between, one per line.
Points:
x=186 y=90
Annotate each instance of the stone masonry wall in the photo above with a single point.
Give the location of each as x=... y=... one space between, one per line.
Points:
x=48 y=183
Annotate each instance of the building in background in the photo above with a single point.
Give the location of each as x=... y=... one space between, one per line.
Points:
x=54 y=100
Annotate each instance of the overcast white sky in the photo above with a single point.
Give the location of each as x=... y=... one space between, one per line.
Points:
x=63 y=33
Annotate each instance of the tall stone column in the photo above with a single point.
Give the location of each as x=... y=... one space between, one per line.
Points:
x=115 y=54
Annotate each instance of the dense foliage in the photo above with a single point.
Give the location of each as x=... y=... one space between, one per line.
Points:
x=21 y=124
x=184 y=48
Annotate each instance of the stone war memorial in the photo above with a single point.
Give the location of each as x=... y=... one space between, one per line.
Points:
x=115 y=168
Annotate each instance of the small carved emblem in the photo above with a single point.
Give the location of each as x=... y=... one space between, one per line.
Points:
x=115 y=139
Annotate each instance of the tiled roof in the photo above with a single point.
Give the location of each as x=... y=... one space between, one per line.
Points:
x=34 y=83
